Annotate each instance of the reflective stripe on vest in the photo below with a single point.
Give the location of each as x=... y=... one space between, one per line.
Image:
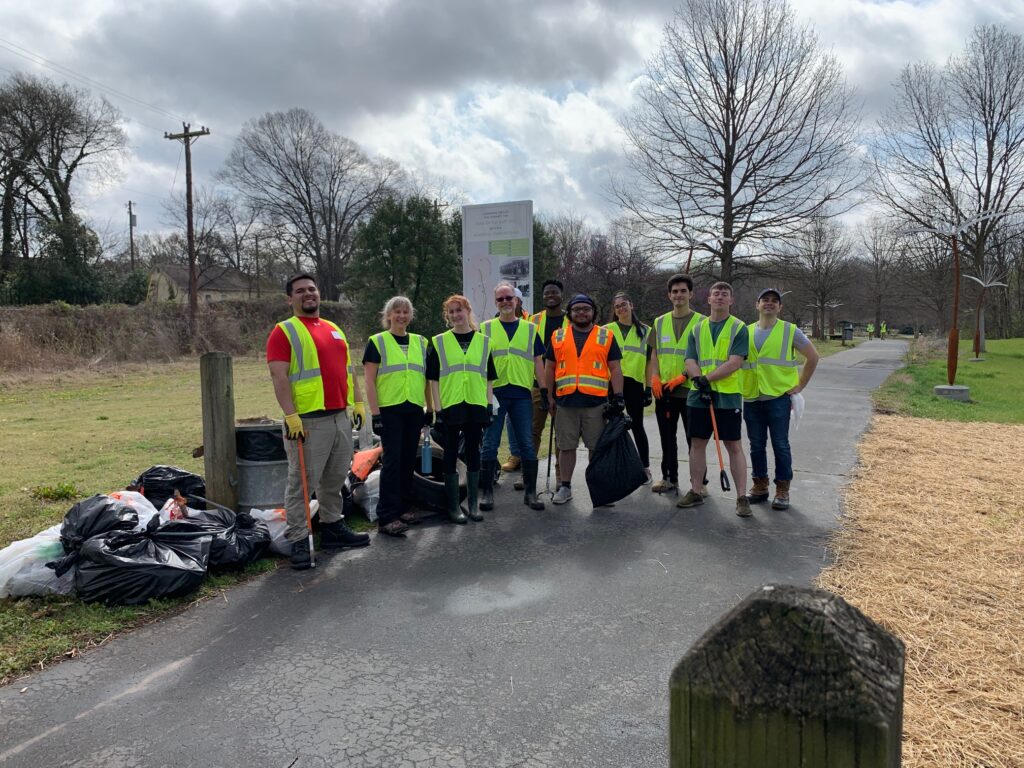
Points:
x=304 y=368
x=463 y=375
x=540 y=319
x=672 y=351
x=634 y=354
x=719 y=352
x=513 y=358
x=773 y=370
x=401 y=375
x=587 y=372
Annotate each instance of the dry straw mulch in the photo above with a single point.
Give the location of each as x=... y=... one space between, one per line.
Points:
x=932 y=548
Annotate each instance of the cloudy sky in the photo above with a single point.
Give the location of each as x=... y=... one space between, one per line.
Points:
x=503 y=100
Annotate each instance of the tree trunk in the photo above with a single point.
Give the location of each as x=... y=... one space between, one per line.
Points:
x=7 y=216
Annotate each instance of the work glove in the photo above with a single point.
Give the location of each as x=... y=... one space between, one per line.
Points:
x=439 y=423
x=616 y=406
x=428 y=418
x=358 y=415
x=293 y=427
x=545 y=404
x=656 y=387
x=704 y=388
x=648 y=396
x=676 y=382
x=627 y=420
x=490 y=414
x=377 y=425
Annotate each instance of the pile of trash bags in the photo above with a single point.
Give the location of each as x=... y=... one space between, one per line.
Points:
x=120 y=549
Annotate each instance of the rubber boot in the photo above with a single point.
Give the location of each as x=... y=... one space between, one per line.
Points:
x=487 y=485
x=530 y=484
x=759 y=493
x=451 y=492
x=472 y=480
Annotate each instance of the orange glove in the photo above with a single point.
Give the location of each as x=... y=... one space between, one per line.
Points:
x=656 y=387
x=677 y=381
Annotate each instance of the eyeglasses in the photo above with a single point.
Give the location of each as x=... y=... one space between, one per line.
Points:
x=504 y=298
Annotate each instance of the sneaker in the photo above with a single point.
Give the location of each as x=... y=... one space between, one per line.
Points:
x=339 y=536
x=562 y=495
x=743 y=507
x=394 y=528
x=647 y=474
x=691 y=499
x=300 y=556
x=663 y=485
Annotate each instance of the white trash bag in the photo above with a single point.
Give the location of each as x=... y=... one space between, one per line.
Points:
x=796 y=404
x=23 y=570
x=366 y=495
x=277 y=524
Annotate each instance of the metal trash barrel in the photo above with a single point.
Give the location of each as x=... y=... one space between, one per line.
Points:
x=848 y=333
x=262 y=465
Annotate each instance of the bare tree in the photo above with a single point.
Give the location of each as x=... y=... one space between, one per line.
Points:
x=883 y=254
x=927 y=268
x=956 y=134
x=314 y=183
x=744 y=130
x=570 y=238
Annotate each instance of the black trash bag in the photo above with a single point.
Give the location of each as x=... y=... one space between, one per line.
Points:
x=159 y=483
x=615 y=469
x=124 y=568
x=92 y=517
x=238 y=539
x=260 y=444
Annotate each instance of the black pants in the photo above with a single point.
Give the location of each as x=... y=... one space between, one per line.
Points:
x=633 y=392
x=402 y=427
x=669 y=411
x=471 y=434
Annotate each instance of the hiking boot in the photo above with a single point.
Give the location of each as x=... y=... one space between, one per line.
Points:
x=647 y=476
x=562 y=495
x=487 y=469
x=759 y=493
x=743 y=507
x=513 y=464
x=530 y=485
x=394 y=528
x=472 y=491
x=781 y=500
x=664 y=486
x=339 y=536
x=299 y=559
x=691 y=499
x=451 y=496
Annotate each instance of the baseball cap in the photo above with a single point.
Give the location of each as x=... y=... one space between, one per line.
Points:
x=581 y=298
x=519 y=294
x=766 y=291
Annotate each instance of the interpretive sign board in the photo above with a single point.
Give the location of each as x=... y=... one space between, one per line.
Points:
x=497 y=245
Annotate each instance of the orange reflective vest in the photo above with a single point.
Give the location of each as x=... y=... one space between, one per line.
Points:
x=586 y=373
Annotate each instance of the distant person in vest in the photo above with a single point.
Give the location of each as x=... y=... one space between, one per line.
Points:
x=460 y=372
x=548 y=320
x=669 y=336
x=394 y=366
x=583 y=367
x=770 y=377
x=715 y=353
x=310 y=367
x=517 y=351
x=631 y=336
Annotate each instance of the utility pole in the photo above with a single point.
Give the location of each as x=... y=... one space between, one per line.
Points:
x=187 y=136
x=131 y=235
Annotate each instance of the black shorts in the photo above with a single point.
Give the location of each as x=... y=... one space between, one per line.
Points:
x=730 y=423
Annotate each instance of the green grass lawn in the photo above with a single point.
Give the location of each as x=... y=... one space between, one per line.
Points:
x=67 y=436
x=995 y=384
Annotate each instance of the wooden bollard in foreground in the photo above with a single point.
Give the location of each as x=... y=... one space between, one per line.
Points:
x=789 y=677
x=216 y=380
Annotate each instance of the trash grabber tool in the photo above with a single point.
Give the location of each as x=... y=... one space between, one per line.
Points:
x=305 y=498
x=718 y=448
x=551 y=445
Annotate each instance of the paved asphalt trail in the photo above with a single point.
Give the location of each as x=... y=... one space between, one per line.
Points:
x=532 y=639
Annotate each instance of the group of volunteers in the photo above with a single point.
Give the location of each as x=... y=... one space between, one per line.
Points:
x=712 y=372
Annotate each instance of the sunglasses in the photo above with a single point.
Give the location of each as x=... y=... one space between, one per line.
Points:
x=504 y=298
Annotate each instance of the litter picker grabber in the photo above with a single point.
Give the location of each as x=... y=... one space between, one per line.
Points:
x=718 y=448
x=305 y=498
x=551 y=445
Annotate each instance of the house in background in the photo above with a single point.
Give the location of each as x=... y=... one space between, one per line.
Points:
x=169 y=282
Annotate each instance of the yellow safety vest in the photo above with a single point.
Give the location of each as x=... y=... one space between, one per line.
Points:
x=304 y=369
x=463 y=376
x=774 y=369
x=513 y=358
x=710 y=354
x=672 y=351
x=401 y=375
x=634 y=352
x=540 y=319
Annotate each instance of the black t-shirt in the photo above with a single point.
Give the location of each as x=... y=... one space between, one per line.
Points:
x=580 y=399
x=461 y=413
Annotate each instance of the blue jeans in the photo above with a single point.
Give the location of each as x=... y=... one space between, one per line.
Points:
x=764 y=417
x=520 y=421
x=513 y=444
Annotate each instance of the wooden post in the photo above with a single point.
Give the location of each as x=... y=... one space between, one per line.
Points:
x=216 y=381
x=789 y=677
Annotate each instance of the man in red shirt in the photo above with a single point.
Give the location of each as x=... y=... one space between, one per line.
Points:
x=308 y=358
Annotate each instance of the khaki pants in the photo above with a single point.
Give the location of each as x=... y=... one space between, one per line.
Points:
x=573 y=423
x=328 y=455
